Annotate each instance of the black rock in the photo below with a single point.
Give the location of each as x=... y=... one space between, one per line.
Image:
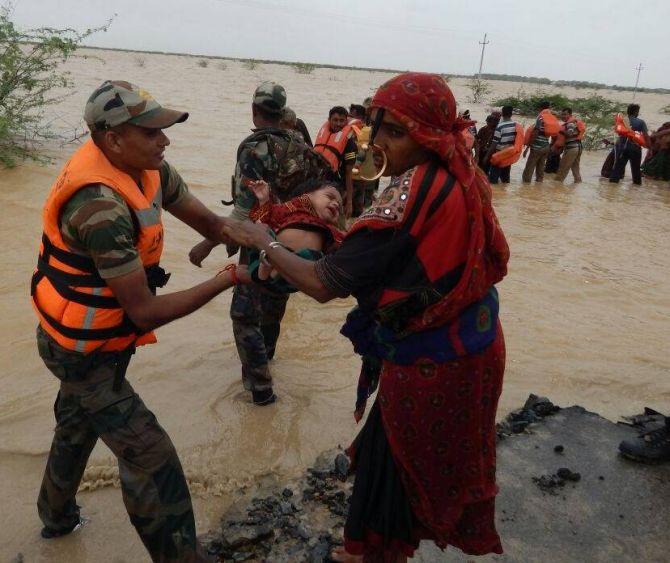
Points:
x=242 y=556
x=559 y=449
x=519 y=426
x=286 y=508
x=320 y=552
x=318 y=473
x=287 y=493
x=541 y=406
x=568 y=475
x=303 y=532
x=215 y=548
x=549 y=483
x=234 y=538
x=341 y=467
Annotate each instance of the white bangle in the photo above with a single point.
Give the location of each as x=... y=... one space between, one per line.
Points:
x=276 y=244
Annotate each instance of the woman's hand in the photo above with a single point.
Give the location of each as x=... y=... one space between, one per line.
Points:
x=248 y=234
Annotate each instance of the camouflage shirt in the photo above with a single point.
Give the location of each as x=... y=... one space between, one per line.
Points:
x=278 y=156
x=97 y=222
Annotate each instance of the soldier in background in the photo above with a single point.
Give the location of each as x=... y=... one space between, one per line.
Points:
x=282 y=159
x=289 y=120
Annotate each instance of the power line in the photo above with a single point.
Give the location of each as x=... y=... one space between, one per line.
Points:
x=481 y=59
x=639 y=69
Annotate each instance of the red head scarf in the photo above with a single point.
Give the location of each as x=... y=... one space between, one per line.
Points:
x=427 y=108
x=424 y=104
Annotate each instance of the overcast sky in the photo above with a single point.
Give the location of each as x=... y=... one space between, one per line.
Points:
x=596 y=40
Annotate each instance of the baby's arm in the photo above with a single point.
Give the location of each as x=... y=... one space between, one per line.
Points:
x=261 y=190
x=294 y=239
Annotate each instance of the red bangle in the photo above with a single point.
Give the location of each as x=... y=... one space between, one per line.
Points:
x=233 y=274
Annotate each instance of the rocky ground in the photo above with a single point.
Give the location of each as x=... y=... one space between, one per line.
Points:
x=565 y=496
x=301 y=521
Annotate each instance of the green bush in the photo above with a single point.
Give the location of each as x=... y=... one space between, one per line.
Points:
x=665 y=110
x=202 y=63
x=595 y=110
x=31 y=82
x=250 y=64
x=304 y=68
x=479 y=90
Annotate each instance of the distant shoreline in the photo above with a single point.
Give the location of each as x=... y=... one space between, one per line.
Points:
x=579 y=84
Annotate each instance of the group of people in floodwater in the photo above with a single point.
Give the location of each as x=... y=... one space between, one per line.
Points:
x=553 y=146
x=422 y=260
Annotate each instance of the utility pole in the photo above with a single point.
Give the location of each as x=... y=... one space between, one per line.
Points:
x=481 y=59
x=639 y=69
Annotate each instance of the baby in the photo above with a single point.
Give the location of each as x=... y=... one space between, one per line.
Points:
x=306 y=224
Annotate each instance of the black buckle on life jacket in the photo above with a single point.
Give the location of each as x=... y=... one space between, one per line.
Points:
x=156 y=277
x=63 y=283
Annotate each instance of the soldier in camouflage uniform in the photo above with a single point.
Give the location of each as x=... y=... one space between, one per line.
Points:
x=284 y=161
x=95 y=400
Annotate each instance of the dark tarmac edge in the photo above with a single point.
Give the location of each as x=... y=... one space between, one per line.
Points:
x=565 y=495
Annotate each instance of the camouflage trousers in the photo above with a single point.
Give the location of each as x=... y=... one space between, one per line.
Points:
x=153 y=485
x=256 y=316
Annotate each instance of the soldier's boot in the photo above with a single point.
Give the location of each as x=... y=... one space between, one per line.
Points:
x=73 y=441
x=649 y=447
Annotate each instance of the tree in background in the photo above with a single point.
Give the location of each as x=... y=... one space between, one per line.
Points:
x=30 y=82
x=479 y=90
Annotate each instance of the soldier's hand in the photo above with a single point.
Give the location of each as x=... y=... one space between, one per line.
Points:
x=246 y=233
x=199 y=252
x=242 y=274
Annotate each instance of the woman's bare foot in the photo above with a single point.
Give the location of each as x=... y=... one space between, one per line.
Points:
x=340 y=554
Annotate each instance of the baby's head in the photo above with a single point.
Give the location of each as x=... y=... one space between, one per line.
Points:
x=325 y=199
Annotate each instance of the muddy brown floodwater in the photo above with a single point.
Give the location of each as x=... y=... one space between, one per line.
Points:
x=585 y=309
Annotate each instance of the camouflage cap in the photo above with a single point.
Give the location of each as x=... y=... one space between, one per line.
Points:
x=116 y=101
x=271 y=97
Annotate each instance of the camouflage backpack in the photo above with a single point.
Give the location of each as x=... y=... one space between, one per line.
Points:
x=292 y=161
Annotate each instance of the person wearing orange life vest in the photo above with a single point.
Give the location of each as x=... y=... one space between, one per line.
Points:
x=94 y=292
x=356 y=114
x=538 y=145
x=570 y=137
x=504 y=137
x=628 y=150
x=336 y=144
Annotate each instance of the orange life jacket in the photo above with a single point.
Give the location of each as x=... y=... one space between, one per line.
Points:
x=581 y=131
x=331 y=145
x=551 y=123
x=510 y=155
x=528 y=135
x=623 y=130
x=74 y=304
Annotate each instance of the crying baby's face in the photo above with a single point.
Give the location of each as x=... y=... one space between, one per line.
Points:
x=327 y=203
